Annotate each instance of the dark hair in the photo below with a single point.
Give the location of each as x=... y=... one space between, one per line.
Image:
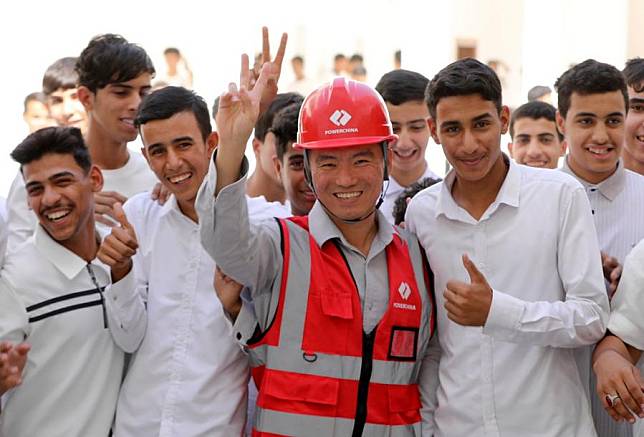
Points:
x=60 y=74
x=401 y=86
x=215 y=107
x=110 y=59
x=400 y=204
x=398 y=57
x=589 y=77
x=298 y=58
x=535 y=110
x=462 y=78
x=49 y=140
x=265 y=120
x=285 y=127
x=634 y=74
x=172 y=50
x=356 y=57
x=35 y=97
x=166 y=102
x=536 y=92
x=339 y=56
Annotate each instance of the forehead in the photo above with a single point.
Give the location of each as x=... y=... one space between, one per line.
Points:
x=141 y=81
x=463 y=108
x=346 y=152
x=530 y=126
x=599 y=103
x=48 y=165
x=62 y=92
x=36 y=106
x=182 y=124
x=408 y=111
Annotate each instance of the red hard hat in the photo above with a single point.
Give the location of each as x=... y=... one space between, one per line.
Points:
x=341 y=114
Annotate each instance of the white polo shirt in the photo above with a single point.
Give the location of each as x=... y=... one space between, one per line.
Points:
x=189 y=376
x=133 y=178
x=536 y=246
x=50 y=298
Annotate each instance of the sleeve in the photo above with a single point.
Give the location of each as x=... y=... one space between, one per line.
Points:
x=3 y=240
x=126 y=299
x=626 y=319
x=248 y=253
x=581 y=318
x=21 y=221
x=14 y=321
x=428 y=385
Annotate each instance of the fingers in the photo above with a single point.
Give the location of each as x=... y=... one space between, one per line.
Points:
x=476 y=277
x=119 y=215
x=266 y=46
x=104 y=219
x=244 y=74
x=262 y=80
x=109 y=198
x=279 y=57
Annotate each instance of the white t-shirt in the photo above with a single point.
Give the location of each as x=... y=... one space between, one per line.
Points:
x=133 y=178
x=261 y=209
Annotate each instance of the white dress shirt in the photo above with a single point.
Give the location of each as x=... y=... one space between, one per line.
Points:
x=537 y=247
x=618 y=207
x=394 y=190
x=188 y=377
x=50 y=298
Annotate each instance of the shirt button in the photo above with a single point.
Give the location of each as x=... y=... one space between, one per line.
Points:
x=239 y=336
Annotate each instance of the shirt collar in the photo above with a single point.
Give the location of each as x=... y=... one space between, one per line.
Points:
x=323 y=229
x=62 y=258
x=609 y=187
x=508 y=194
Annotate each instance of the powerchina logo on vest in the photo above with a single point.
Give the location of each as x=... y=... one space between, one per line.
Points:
x=341 y=118
x=405 y=291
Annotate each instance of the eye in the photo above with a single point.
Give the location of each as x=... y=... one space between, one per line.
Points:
x=296 y=165
x=637 y=107
x=396 y=129
x=34 y=191
x=615 y=121
x=481 y=124
x=184 y=146
x=451 y=130
x=585 y=121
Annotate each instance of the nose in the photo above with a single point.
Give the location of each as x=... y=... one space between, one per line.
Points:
x=173 y=161
x=134 y=102
x=600 y=135
x=68 y=106
x=404 y=139
x=50 y=196
x=534 y=149
x=345 y=176
x=470 y=143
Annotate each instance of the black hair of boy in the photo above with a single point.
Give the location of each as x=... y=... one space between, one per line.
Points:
x=464 y=77
x=402 y=86
x=61 y=75
x=285 y=128
x=111 y=59
x=166 y=102
x=265 y=120
x=634 y=74
x=53 y=140
x=535 y=110
x=400 y=204
x=589 y=77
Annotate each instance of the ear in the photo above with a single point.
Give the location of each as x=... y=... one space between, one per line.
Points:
x=86 y=97
x=504 y=115
x=433 y=129
x=510 y=147
x=561 y=123
x=277 y=165
x=96 y=179
x=144 y=152
x=256 y=145
x=211 y=142
x=564 y=147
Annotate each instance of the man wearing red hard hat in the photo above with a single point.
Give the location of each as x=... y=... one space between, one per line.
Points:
x=340 y=310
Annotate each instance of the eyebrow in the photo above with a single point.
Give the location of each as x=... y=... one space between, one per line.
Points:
x=591 y=114
x=418 y=120
x=183 y=139
x=457 y=123
x=636 y=100
x=54 y=176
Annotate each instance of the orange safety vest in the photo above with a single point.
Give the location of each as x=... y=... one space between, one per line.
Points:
x=317 y=371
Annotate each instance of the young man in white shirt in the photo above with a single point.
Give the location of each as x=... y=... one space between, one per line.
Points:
x=593 y=106
x=404 y=94
x=633 y=153
x=517 y=272
x=536 y=141
x=188 y=377
x=78 y=314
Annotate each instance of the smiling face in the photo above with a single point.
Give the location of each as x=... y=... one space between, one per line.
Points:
x=409 y=121
x=178 y=155
x=66 y=108
x=634 y=126
x=469 y=128
x=37 y=116
x=536 y=143
x=348 y=181
x=291 y=171
x=594 y=131
x=112 y=109
x=61 y=194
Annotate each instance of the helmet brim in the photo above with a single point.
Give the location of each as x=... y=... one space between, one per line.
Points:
x=344 y=142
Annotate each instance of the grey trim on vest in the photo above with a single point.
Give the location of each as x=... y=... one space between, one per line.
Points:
x=289 y=424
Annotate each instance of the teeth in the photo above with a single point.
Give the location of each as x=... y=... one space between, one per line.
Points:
x=128 y=121
x=179 y=178
x=348 y=195
x=598 y=150
x=639 y=137
x=405 y=153
x=57 y=215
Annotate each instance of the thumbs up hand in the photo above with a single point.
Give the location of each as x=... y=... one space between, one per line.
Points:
x=468 y=304
x=119 y=247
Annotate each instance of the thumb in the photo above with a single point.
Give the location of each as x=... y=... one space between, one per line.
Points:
x=476 y=277
x=119 y=215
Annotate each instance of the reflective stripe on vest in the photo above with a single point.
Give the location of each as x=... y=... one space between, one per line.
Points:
x=308 y=364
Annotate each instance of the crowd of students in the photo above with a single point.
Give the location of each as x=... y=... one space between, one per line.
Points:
x=365 y=295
